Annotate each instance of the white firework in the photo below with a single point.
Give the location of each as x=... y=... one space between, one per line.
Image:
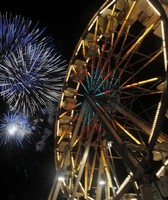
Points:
x=14 y=128
x=31 y=78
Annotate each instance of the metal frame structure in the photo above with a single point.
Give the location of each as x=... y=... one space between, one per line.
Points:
x=110 y=122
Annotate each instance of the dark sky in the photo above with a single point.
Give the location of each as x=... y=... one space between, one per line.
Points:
x=26 y=174
x=65 y=20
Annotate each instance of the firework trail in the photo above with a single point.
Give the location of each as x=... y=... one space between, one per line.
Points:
x=31 y=78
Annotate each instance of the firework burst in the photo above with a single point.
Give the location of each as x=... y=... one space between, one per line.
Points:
x=14 y=128
x=31 y=78
x=17 y=31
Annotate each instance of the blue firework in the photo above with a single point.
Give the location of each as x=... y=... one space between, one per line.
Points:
x=14 y=128
x=31 y=78
x=16 y=31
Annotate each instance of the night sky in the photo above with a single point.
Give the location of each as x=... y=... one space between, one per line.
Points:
x=26 y=173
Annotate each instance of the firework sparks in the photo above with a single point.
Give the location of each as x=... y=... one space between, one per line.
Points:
x=14 y=128
x=16 y=31
x=31 y=78
x=31 y=72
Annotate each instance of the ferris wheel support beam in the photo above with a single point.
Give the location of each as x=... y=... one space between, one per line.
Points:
x=135 y=171
x=120 y=146
x=57 y=184
x=110 y=58
x=83 y=161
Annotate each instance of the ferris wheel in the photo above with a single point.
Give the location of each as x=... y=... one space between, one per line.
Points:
x=110 y=135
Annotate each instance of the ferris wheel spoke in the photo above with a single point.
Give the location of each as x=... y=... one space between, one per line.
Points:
x=112 y=106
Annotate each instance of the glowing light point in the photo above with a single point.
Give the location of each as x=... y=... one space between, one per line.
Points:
x=12 y=129
x=102 y=182
x=61 y=178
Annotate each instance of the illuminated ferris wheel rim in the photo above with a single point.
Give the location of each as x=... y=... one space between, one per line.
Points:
x=102 y=12
x=151 y=3
x=69 y=99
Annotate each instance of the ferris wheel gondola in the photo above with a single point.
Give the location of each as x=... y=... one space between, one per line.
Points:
x=110 y=122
